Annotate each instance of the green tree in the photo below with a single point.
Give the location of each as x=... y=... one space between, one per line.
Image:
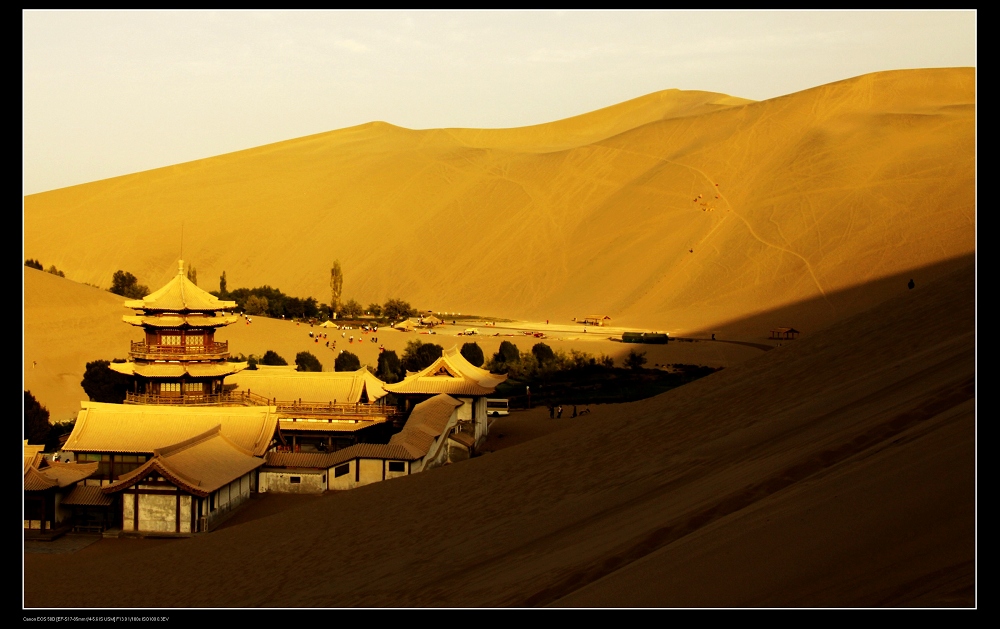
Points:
x=101 y=384
x=336 y=285
x=256 y=305
x=543 y=354
x=305 y=361
x=389 y=368
x=374 y=309
x=222 y=285
x=125 y=284
x=36 y=420
x=54 y=271
x=351 y=309
x=635 y=360
x=473 y=353
x=192 y=274
x=346 y=361
x=395 y=309
x=272 y=358
x=418 y=355
x=34 y=264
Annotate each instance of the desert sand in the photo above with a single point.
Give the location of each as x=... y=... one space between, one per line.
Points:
x=835 y=470
x=824 y=197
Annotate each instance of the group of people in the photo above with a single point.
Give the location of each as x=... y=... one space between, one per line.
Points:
x=555 y=412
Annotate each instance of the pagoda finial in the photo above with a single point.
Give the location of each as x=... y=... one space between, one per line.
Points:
x=180 y=267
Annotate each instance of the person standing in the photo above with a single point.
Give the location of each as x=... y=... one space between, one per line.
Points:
x=559 y=412
x=552 y=412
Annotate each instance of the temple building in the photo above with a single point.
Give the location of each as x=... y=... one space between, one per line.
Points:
x=179 y=360
x=49 y=489
x=455 y=376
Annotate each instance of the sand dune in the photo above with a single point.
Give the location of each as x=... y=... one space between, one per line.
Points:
x=614 y=211
x=835 y=471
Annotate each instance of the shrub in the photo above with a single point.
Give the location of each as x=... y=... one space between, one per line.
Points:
x=389 y=368
x=54 y=271
x=256 y=305
x=396 y=309
x=103 y=385
x=473 y=353
x=543 y=354
x=305 y=361
x=635 y=360
x=375 y=310
x=36 y=420
x=419 y=355
x=35 y=264
x=272 y=358
x=346 y=361
x=351 y=309
x=125 y=284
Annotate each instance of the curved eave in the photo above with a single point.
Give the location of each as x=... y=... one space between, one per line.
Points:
x=179 y=321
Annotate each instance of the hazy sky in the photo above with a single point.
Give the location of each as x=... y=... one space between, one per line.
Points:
x=108 y=93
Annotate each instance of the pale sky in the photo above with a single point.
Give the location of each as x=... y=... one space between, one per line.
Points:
x=108 y=93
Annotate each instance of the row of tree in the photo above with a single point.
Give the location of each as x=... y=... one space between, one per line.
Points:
x=35 y=264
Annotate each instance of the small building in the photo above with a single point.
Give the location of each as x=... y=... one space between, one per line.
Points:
x=295 y=472
x=598 y=320
x=188 y=487
x=453 y=375
x=47 y=485
x=784 y=334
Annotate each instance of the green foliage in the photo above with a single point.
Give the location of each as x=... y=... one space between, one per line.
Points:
x=473 y=353
x=192 y=274
x=34 y=264
x=125 y=284
x=54 y=271
x=103 y=385
x=58 y=430
x=543 y=354
x=419 y=355
x=346 y=361
x=36 y=420
x=305 y=361
x=389 y=367
x=222 y=285
x=374 y=309
x=336 y=285
x=256 y=305
x=635 y=360
x=351 y=309
x=272 y=358
x=395 y=309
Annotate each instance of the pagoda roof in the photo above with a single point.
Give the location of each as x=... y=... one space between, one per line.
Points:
x=55 y=474
x=344 y=387
x=181 y=320
x=139 y=428
x=198 y=465
x=451 y=374
x=180 y=295
x=178 y=369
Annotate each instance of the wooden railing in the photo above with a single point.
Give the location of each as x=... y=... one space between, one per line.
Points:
x=247 y=398
x=145 y=350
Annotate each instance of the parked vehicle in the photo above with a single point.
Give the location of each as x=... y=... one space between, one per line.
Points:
x=497 y=407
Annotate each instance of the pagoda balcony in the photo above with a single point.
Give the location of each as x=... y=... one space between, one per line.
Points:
x=236 y=398
x=146 y=351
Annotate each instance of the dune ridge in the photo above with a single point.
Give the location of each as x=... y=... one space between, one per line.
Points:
x=819 y=190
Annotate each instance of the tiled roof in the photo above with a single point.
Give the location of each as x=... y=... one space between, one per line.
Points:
x=451 y=374
x=34 y=480
x=428 y=421
x=56 y=474
x=313 y=460
x=85 y=496
x=466 y=440
x=341 y=387
x=176 y=370
x=199 y=465
x=372 y=451
x=142 y=429
x=180 y=295
x=177 y=321
x=329 y=426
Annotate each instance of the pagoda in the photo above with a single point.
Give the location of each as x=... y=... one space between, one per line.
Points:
x=179 y=361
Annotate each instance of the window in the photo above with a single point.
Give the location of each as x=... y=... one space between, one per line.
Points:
x=397 y=466
x=170 y=339
x=193 y=387
x=295 y=480
x=170 y=387
x=198 y=339
x=341 y=470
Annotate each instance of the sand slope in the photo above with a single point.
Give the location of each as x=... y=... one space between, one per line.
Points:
x=820 y=191
x=838 y=470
